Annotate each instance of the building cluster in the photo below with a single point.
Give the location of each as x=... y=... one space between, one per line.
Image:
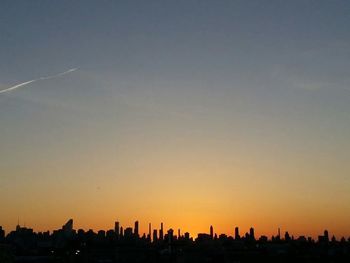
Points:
x=160 y=245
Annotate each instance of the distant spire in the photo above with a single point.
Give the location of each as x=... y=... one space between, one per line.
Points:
x=161 y=232
x=149 y=231
x=18 y=227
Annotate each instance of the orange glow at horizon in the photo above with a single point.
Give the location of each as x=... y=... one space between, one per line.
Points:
x=190 y=113
x=224 y=191
x=198 y=225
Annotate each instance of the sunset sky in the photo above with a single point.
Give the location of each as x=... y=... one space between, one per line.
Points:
x=191 y=113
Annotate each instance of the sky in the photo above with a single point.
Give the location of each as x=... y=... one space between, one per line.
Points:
x=191 y=113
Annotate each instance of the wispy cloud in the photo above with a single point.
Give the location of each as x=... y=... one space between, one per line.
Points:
x=34 y=80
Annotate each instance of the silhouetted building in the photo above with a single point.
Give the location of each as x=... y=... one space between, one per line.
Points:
x=101 y=234
x=203 y=237
x=116 y=228
x=279 y=233
x=263 y=239
x=136 y=230
x=81 y=233
x=223 y=236
x=170 y=235
x=2 y=233
x=251 y=233
x=161 y=233
x=287 y=236
x=155 y=236
x=334 y=239
x=237 y=237
x=128 y=232
x=302 y=239
x=326 y=236
x=68 y=227
x=121 y=234
x=67 y=230
x=149 y=231
x=211 y=232
x=110 y=234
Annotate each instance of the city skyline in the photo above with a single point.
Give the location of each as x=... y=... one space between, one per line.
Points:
x=147 y=230
x=127 y=244
x=190 y=112
x=160 y=232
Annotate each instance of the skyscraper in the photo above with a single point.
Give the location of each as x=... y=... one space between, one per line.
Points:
x=155 y=237
x=251 y=233
x=211 y=232
x=237 y=236
x=326 y=236
x=121 y=234
x=279 y=233
x=149 y=231
x=136 y=229
x=170 y=235
x=68 y=227
x=116 y=228
x=128 y=233
x=161 y=233
x=287 y=236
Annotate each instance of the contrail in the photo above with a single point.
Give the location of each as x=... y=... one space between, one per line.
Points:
x=34 y=80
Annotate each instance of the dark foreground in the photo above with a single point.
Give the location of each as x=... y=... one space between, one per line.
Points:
x=67 y=245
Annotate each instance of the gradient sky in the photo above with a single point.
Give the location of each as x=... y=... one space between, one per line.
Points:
x=187 y=112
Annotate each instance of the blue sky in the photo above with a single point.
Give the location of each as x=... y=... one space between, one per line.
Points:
x=253 y=86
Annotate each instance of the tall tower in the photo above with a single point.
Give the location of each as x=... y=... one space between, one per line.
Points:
x=149 y=231
x=211 y=232
x=251 y=234
x=136 y=230
x=116 y=228
x=237 y=237
x=326 y=236
x=121 y=233
x=161 y=233
x=170 y=235
x=279 y=233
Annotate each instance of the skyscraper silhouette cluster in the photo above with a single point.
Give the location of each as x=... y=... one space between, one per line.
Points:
x=128 y=245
